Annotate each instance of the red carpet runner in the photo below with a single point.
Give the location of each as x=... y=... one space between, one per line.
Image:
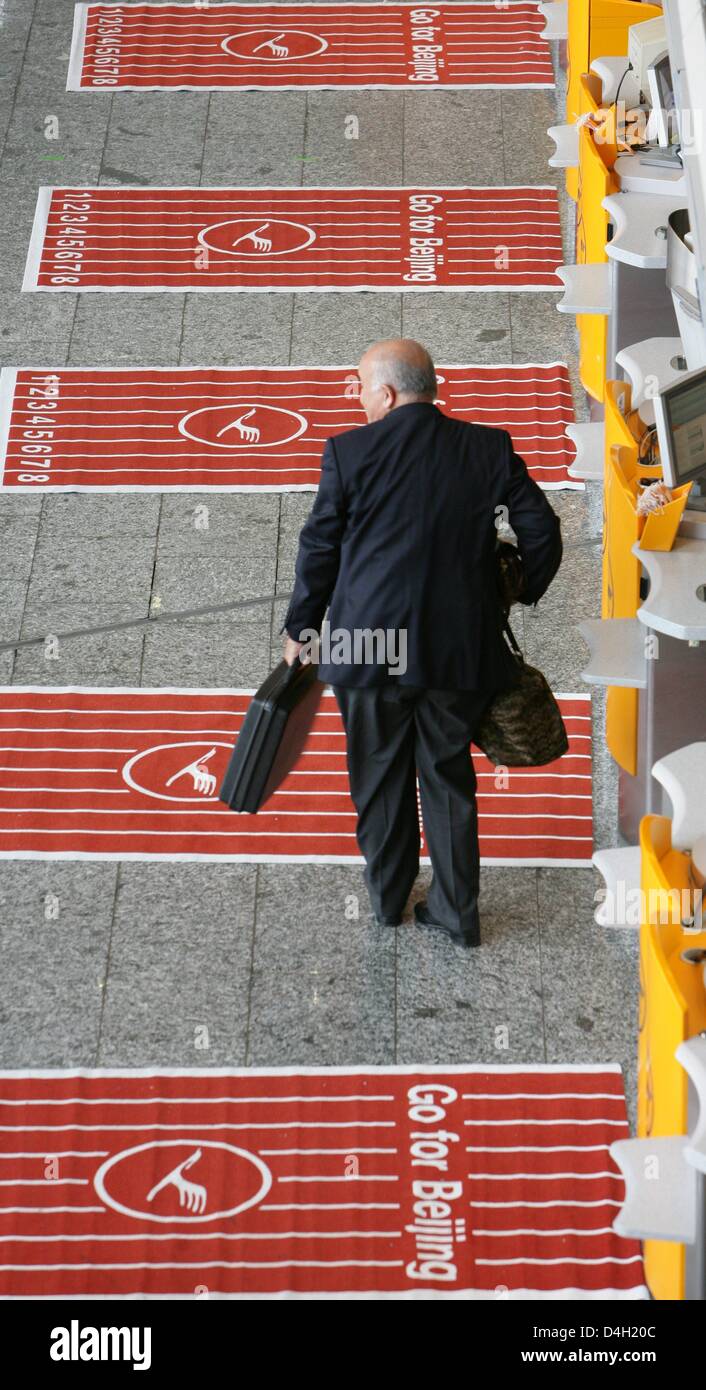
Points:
x=133 y=774
x=457 y=1180
x=279 y=46
x=241 y=429
x=295 y=239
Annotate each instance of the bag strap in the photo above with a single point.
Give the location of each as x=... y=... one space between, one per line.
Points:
x=512 y=640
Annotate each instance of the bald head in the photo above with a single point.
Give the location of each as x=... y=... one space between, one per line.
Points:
x=393 y=372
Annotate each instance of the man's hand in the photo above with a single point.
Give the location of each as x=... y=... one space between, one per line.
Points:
x=291 y=651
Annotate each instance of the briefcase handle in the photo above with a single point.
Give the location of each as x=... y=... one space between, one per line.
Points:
x=293 y=672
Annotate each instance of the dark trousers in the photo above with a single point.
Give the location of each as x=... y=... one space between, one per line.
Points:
x=393 y=732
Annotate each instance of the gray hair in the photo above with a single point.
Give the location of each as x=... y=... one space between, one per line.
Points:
x=407 y=378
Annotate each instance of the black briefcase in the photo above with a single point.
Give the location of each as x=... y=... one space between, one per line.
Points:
x=274 y=731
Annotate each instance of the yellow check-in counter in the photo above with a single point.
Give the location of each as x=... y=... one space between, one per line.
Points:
x=622 y=529
x=672 y=1009
x=596 y=182
x=597 y=28
x=591 y=108
x=621 y=569
x=659 y=699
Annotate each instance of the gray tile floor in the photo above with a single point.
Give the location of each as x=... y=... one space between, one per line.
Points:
x=268 y=959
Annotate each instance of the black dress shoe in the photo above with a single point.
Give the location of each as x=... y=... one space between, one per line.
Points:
x=466 y=939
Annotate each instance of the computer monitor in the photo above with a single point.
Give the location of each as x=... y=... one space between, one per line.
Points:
x=680 y=415
x=659 y=76
x=646 y=41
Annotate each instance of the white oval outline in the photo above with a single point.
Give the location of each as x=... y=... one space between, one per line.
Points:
x=157 y=748
x=250 y=57
x=99 y=1180
x=256 y=255
x=265 y=405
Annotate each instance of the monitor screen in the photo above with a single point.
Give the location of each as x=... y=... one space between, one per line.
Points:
x=662 y=97
x=683 y=419
x=665 y=85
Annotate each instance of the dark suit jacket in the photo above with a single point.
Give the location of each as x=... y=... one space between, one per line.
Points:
x=402 y=535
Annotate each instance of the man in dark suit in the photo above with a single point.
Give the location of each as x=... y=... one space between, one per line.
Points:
x=401 y=540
